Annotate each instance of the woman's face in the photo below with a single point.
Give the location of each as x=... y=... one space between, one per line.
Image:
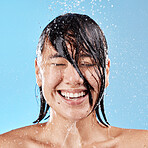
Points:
x=62 y=86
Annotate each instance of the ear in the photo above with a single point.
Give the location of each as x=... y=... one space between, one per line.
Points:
x=38 y=74
x=107 y=73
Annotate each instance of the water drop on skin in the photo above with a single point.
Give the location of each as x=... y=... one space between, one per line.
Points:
x=47 y=142
x=20 y=143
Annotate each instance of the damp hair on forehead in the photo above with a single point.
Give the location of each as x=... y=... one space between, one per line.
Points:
x=72 y=35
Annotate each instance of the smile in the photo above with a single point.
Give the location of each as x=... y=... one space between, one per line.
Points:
x=75 y=97
x=70 y=95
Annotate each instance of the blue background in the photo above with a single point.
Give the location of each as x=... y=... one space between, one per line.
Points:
x=125 y=24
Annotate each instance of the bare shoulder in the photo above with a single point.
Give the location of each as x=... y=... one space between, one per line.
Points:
x=130 y=137
x=20 y=137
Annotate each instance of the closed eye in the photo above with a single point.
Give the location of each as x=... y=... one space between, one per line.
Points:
x=86 y=64
x=56 y=64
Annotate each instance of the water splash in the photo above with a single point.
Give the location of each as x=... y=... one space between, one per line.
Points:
x=95 y=7
x=68 y=132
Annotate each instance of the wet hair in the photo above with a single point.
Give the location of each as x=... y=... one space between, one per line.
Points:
x=83 y=35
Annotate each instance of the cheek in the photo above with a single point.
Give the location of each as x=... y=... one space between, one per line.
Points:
x=50 y=79
x=93 y=78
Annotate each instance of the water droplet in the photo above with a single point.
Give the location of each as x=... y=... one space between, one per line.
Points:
x=20 y=143
x=36 y=132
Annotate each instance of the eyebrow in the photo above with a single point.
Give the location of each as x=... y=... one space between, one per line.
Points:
x=57 y=55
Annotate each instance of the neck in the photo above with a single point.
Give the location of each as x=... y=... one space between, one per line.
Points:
x=69 y=133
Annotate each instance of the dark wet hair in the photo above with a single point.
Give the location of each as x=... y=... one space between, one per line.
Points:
x=83 y=35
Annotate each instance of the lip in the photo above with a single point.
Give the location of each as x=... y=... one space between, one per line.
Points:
x=74 y=102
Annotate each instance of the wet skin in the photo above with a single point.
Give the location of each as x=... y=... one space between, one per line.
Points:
x=69 y=124
x=60 y=80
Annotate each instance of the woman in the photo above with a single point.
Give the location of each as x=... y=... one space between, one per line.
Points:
x=72 y=71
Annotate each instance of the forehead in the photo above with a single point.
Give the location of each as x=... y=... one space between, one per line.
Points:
x=49 y=50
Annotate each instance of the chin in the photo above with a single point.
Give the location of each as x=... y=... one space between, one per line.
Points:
x=76 y=114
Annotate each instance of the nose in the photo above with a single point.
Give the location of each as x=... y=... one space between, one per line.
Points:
x=71 y=76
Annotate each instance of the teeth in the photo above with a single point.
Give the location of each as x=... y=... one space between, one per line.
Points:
x=76 y=95
x=72 y=95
